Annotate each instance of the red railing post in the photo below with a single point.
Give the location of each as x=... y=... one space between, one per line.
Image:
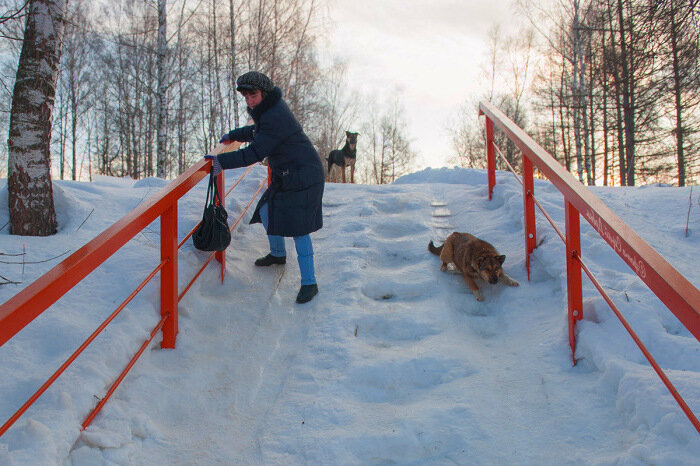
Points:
x=221 y=255
x=672 y=288
x=529 y=211
x=168 y=276
x=573 y=273
x=491 y=155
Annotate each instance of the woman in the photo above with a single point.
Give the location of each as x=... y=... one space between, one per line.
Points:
x=291 y=205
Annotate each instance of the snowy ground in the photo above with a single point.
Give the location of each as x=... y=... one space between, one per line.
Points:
x=393 y=362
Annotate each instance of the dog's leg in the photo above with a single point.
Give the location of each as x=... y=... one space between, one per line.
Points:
x=333 y=173
x=507 y=280
x=472 y=286
x=446 y=254
x=343 y=174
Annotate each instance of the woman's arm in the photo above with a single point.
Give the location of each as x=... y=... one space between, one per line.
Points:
x=266 y=139
x=242 y=134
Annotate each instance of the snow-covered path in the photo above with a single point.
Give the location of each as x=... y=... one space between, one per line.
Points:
x=394 y=361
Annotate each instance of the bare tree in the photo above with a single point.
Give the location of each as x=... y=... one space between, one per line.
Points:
x=75 y=76
x=337 y=109
x=233 y=66
x=387 y=154
x=161 y=104
x=467 y=138
x=578 y=87
x=681 y=77
x=613 y=58
x=132 y=88
x=29 y=166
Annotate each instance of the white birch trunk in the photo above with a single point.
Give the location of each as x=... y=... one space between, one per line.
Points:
x=161 y=157
x=30 y=191
x=576 y=89
x=583 y=99
x=233 y=64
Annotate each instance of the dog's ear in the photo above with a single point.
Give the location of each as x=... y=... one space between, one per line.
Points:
x=501 y=259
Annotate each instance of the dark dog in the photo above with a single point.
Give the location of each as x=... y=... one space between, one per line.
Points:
x=473 y=258
x=345 y=157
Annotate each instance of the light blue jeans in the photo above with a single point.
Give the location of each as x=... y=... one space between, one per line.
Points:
x=305 y=251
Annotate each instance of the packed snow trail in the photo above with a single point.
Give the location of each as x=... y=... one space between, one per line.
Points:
x=394 y=361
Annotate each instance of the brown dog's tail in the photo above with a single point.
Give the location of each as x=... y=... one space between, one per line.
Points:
x=435 y=250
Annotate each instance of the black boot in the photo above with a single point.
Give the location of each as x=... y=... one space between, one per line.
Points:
x=307 y=293
x=269 y=260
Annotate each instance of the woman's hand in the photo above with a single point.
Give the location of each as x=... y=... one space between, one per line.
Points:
x=225 y=139
x=215 y=165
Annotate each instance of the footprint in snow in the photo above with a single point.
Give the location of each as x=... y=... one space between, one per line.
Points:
x=402 y=381
x=388 y=331
x=396 y=229
x=406 y=288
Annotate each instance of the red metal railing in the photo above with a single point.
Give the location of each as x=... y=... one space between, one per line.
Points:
x=674 y=290
x=29 y=303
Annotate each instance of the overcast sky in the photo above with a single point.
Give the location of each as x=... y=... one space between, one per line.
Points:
x=431 y=51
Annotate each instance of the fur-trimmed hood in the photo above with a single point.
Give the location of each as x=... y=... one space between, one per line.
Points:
x=267 y=103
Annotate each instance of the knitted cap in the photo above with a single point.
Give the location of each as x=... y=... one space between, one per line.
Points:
x=254 y=80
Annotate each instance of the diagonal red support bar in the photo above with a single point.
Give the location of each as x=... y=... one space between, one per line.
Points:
x=662 y=375
x=674 y=290
x=128 y=367
x=77 y=352
x=212 y=255
x=29 y=303
x=25 y=306
x=191 y=232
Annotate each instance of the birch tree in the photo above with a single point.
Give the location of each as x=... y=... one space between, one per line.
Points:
x=467 y=137
x=74 y=86
x=161 y=104
x=681 y=76
x=578 y=86
x=232 y=69
x=29 y=185
x=339 y=108
x=387 y=148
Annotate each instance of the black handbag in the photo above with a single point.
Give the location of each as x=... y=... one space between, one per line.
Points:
x=213 y=233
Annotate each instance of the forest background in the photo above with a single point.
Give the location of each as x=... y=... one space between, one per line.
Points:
x=611 y=88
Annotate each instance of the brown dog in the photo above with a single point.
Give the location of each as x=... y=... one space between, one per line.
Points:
x=473 y=258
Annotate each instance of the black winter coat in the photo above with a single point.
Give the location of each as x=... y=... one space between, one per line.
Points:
x=295 y=193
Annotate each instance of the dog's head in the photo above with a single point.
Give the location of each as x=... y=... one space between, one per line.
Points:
x=489 y=267
x=351 y=139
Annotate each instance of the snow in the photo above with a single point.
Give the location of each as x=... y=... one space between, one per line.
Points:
x=393 y=362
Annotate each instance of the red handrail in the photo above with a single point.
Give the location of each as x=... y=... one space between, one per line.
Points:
x=33 y=300
x=674 y=290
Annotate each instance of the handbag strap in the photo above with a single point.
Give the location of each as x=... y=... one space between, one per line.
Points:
x=209 y=188
x=213 y=194
x=217 y=195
